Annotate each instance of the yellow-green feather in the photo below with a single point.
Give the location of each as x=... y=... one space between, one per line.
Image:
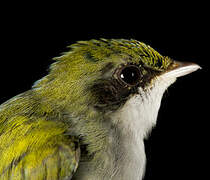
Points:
x=33 y=147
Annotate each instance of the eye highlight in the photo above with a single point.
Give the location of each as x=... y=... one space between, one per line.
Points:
x=130 y=75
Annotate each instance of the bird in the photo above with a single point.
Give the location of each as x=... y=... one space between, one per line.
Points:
x=88 y=117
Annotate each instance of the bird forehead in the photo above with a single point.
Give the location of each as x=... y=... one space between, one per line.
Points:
x=129 y=51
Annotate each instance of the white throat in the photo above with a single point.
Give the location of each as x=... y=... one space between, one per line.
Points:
x=134 y=120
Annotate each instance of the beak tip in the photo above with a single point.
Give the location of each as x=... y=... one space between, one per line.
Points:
x=194 y=67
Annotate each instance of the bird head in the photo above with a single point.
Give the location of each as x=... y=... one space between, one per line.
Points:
x=123 y=80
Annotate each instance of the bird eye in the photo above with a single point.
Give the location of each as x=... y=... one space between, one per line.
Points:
x=131 y=75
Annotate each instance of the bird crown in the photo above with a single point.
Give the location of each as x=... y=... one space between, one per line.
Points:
x=100 y=50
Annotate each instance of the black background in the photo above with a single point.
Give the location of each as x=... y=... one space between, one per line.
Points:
x=32 y=34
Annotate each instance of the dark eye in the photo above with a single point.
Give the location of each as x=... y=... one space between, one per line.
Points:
x=131 y=75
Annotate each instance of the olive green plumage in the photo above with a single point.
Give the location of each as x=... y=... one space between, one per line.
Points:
x=46 y=131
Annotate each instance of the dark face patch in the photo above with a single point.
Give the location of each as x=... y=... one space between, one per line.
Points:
x=112 y=92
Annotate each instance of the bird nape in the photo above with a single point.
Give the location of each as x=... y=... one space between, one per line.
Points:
x=88 y=117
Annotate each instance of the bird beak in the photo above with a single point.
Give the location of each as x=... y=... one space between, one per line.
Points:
x=178 y=69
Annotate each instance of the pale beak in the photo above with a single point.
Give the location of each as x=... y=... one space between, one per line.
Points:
x=178 y=69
